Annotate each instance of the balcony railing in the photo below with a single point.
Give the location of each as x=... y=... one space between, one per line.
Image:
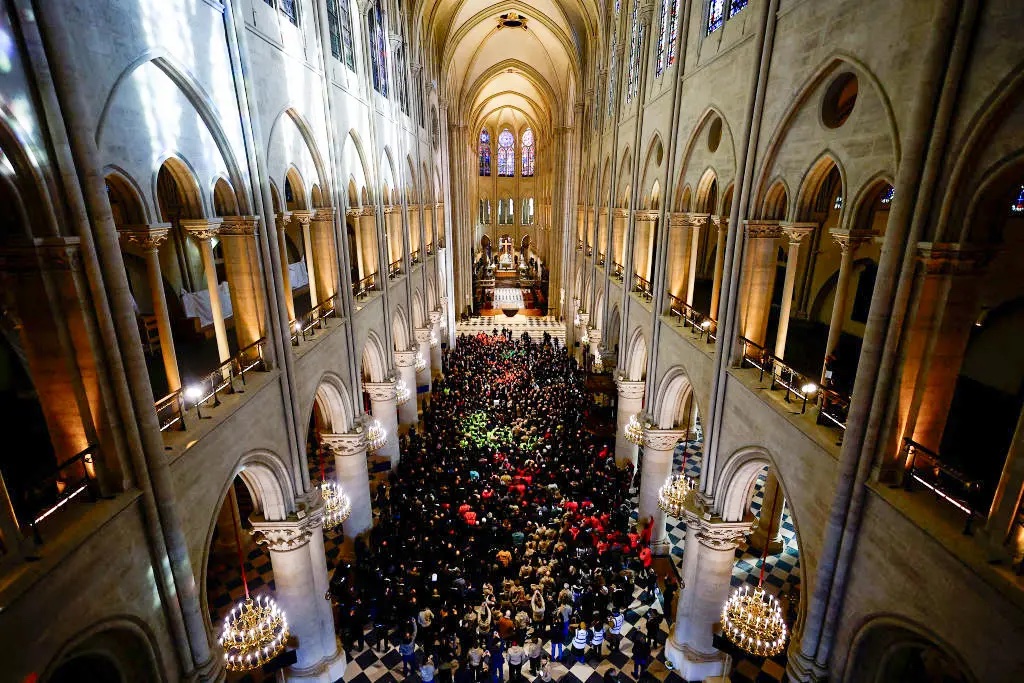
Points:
x=579 y=245
x=415 y=256
x=703 y=326
x=73 y=478
x=832 y=406
x=643 y=287
x=430 y=248
x=171 y=409
x=316 y=319
x=949 y=485
x=590 y=252
x=600 y=259
x=362 y=288
x=394 y=269
x=617 y=271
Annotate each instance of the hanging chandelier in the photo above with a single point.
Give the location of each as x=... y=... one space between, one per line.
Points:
x=634 y=431
x=421 y=363
x=673 y=494
x=753 y=619
x=254 y=631
x=337 y=506
x=402 y=393
x=376 y=436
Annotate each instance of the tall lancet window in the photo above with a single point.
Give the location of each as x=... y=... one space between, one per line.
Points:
x=716 y=15
x=659 y=63
x=529 y=153
x=673 y=31
x=378 y=47
x=635 y=38
x=506 y=154
x=485 y=153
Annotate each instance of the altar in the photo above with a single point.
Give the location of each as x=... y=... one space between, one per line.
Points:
x=507 y=261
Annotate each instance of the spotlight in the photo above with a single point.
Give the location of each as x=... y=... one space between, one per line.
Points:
x=195 y=393
x=809 y=388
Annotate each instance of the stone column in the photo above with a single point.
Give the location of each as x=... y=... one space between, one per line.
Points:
x=203 y=230
x=646 y=224
x=631 y=402
x=422 y=335
x=325 y=253
x=149 y=238
x=281 y=222
x=595 y=344
x=758 y=278
x=385 y=411
x=848 y=244
x=393 y=221
x=414 y=229
x=770 y=519
x=368 y=229
x=356 y=257
x=351 y=472
x=602 y=233
x=619 y=219
x=300 y=589
x=677 y=261
x=303 y=218
x=435 y=343
x=581 y=328
x=242 y=267
x=659 y=446
x=697 y=221
x=721 y=225
x=795 y=232
x=405 y=362
x=708 y=559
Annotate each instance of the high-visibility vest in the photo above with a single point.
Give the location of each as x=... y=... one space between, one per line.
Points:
x=579 y=640
x=617 y=620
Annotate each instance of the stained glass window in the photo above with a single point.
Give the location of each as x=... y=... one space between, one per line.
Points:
x=378 y=48
x=611 y=83
x=838 y=203
x=290 y=11
x=659 y=64
x=529 y=153
x=506 y=154
x=887 y=196
x=527 y=218
x=736 y=5
x=635 y=38
x=1018 y=206
x=485 y=153
x=716 y=15
x=673 y=31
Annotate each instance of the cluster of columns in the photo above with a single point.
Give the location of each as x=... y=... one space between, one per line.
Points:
x=659 y=447
x=630 y=403
x=683 y=252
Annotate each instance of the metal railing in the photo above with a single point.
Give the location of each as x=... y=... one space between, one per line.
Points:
x=362 y=288
x=703 y=326
x=600 y=259
x=617 y=271
x=949 y=485
x=171 y=409
x=590 y=252
x=394 y=269
x=415 y=256
x=430 y=248
x=316 y=319
x=70 y=479
x=832 y=405
x=579 y=245
x=643 y=287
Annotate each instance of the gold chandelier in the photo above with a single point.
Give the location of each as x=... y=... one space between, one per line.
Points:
x=402 y=393
x=634 y=431
x=753 y=620
x=337 y=506
x=376 y=436
x=254 y=633
x=673 y=494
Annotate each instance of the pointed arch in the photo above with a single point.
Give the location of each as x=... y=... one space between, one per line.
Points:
x=636 y=356
x=374 y=361
x=776 y=202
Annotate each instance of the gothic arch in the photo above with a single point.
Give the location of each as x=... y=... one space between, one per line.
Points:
x=27 y=179
x=812 y=181
x=400 y=328
x=126 y=641
x=672 y=397
x=353 y=160
x=418 y=313
x=723 y=157
x=124 y=191
x=333 y=401
x=309 y=142
x=882 y=636
x=374 y=361
x=636 y=356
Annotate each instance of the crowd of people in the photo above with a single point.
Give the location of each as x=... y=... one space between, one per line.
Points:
x=502 y=541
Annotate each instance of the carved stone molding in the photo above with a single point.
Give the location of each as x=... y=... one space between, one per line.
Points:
x=795 y=232
x=630 y=388
x=762 y=230
x=240 y=226
x=392 y=208
x=353 y=443
x=146 y=237
x=369 y=211
x=380 y=391
x=40 y=254
x=435 y=317
x=422 y=335
x=405 y=359
x=202 y=229
x=723 y=535
x=280 y=537
x=282 y=220
x=646 y=215
x=951 y=258
x=326 y=213
x=302 y=216
x=849 y=241
x=617 y=212
x=584 y=319
x=353 y=213
x=663 y=439
x=699 y=220
x=595 y=335
x=719 y=222
x=677 y=219
x=413 y=207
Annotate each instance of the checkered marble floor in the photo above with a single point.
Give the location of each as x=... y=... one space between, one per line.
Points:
x=535 y=325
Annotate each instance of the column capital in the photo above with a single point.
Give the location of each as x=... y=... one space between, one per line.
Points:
x=719 y=535
x=369 y=210
x=435 y=317
x=699 y=220
x=662 y=439
x=952 y=258
x=422 y=335
x=354 y=213
x=719 y=222
x=380 y=391
x=145 y=236
x=247 y=226
x=302 y=216
x=630 y=388
x=795 y=232
x=324 y=213
x=646 y=214
x=286 y=535
x=413 y=207
x=405 y=359
x=678 y=219
x=40 y=253
x=761 y=230
x=282 y=219
x=391 y=208
x=352 y=443
x=202 y=229
x=617 y=212
x=848 y=241
x=584 y=319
